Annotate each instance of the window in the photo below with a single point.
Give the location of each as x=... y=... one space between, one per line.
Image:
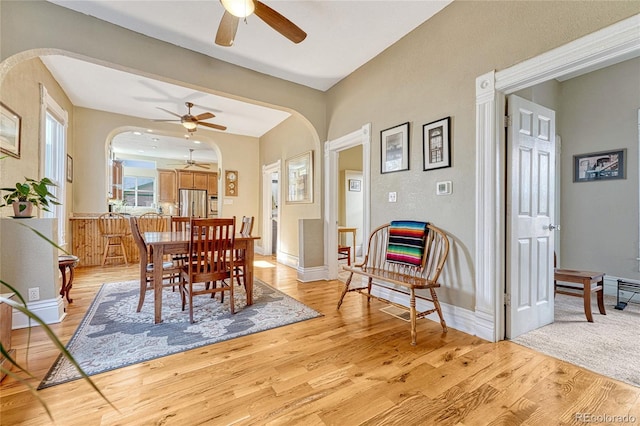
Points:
x=138 y=191
x=54 y=136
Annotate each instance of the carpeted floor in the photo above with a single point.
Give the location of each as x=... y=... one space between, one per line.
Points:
x=609 y=346
x=113 y=335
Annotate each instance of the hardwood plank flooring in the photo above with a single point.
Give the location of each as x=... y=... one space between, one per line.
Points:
x=349 y=367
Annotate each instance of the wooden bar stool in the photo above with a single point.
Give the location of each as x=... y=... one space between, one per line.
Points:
x=114 y=227
x=67 y=261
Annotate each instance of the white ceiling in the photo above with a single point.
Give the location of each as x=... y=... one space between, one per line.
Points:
x=342 y=36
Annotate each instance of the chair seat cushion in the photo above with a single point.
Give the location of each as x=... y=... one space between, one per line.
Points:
x=165 y=265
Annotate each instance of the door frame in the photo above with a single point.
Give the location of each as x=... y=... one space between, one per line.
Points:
x=362 y=137
x=267 y=171
x=610 y=45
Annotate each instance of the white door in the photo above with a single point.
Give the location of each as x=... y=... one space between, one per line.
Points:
x=530 y=209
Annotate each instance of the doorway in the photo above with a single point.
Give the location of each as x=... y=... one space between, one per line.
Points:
x=333 y=148
x=610 y=45
x=270 y=208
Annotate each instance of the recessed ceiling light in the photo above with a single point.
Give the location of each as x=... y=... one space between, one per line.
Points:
x=137 y=133
x=154 y=147
x=155 y=139
x=149 y=130
x=141 y=150
x=196 y=141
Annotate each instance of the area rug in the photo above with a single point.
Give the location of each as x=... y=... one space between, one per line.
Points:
x=113 y=335
x=609 y=346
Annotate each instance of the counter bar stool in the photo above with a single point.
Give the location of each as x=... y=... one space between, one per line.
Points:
x=114 y=227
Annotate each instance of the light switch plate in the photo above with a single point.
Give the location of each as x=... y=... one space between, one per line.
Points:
x=393 y=197
x=443 y=188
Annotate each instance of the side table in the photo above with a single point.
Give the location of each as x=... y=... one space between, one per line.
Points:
x=588 y=282
x=67 y=261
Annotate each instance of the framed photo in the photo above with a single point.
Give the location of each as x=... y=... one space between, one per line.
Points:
x=10 y=123
x=69 y=168
x=394 y=149
x=355 y=185
x=300 y=178
x=604 y=165
x=436 y=144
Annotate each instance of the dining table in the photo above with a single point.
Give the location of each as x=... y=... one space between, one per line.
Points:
x=165 y=243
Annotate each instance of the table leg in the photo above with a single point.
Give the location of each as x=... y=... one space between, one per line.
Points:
x=158 y=255
x=601 y=297
x=248 y=273
x=70 y=284
x=586 y=293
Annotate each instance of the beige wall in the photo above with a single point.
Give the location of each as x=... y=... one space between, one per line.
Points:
x=96 y=128
x=599 y=112
x=427 y=75
x=20 y=91
x=430 y=74
x=292 y=137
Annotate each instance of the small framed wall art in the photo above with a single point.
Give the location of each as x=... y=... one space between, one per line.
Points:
x=436 y=144
x=604 y=165
x=394 y=149
x=10 y=123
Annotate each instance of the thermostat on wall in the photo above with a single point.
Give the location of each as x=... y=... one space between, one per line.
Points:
x=443 y=188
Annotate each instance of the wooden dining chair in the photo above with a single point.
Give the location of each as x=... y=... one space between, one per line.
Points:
x=170 y=271
x=246 y=228
x=152 y=222
x=114 y=228
x=180 y=224
x=211 y=261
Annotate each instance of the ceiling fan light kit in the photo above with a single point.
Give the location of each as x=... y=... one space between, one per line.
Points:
x=239 y=8
x=191 y=122
x=236 y=9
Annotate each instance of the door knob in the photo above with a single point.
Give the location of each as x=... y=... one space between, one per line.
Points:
x=552 y=227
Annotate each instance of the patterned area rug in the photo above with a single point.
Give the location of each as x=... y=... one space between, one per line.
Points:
x=113 y=335
x=609 y=345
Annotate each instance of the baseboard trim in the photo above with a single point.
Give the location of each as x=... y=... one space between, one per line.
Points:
x=51 y=311
x=287 y=260
x=611 y=286
x=316 y=273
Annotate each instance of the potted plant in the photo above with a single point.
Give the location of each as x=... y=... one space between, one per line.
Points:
x=27 y=194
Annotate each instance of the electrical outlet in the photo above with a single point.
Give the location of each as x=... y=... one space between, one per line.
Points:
x=34 y=294
x=393 y=197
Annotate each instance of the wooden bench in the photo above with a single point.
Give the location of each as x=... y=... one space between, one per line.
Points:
x=409 y=278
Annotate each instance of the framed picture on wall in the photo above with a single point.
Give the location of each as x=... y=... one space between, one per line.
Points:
x=355 y=185
x=300 y=178
x=604 y=165
x=69 y=168
x=10 y=123
x=394 y=149
x=436 y=144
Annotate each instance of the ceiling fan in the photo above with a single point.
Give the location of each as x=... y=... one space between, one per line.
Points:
x=236 y=9
x=191 y=122
x=191 y=162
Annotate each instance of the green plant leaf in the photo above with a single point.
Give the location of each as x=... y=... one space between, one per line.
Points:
x=52 y=336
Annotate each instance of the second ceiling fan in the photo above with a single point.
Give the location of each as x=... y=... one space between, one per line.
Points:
x=191 y=122
x=236 y=9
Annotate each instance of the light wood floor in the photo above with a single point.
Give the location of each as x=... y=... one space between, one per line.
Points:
x=349 y=367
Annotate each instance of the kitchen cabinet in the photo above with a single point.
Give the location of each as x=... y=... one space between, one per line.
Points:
x=193 y=180
x=167 y=188
x=212 y=184
x=116 y=180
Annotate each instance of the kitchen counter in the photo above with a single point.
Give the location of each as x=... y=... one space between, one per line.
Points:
x=88 y=243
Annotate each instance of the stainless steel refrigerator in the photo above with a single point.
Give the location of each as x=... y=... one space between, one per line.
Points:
x=193 y=202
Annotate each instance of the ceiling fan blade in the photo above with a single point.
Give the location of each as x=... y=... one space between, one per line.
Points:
x=201 y=166
x=204 y=116
x=170 y=112
x=279 y=22
x=213 y=126
x=167 y=120
x=227 y=29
